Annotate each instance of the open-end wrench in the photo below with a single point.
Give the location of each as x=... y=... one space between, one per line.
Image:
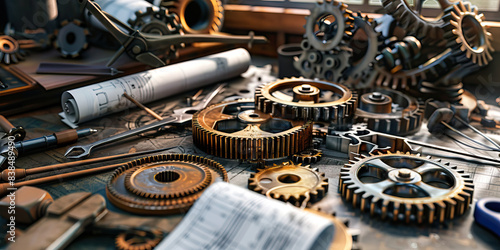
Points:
x=179 y=116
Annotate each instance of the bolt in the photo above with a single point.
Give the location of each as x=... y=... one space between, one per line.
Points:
x=404 y=173
x=306 y=88
x=136 y=49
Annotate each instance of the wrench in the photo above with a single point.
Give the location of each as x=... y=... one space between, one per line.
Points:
x=180 y=116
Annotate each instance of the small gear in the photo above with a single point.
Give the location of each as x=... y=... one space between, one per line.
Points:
x=156 y=21
x=323 y=65
x=235 y=130
x=162 y=184
x=138 y=240
x=197 y=16
x=406 y=187
x=308 y=156
x=389 y=111
x=10 y=51
x=290 y=183
x=299 y=98
x=71 y=38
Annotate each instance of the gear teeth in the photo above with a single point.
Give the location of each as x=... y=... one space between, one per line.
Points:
x=10 y=52
x=127 y=241
x=214 y=15
x=80 y=34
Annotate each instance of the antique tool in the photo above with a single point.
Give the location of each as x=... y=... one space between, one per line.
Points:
x=406 y=186
x=235 y=130
x=140 y=46
x=486 y=214
x=197 y=16
x=307 y=156
x=162 y=184
x=71 y=38
x=290 y=183
x=179 y=116
x=138 y=104
x=9 y=50
x=75 y=69
x=31 y=204
x=10 y=130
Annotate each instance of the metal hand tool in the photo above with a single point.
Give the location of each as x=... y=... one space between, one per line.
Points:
x=179 y=116
x=10 y=130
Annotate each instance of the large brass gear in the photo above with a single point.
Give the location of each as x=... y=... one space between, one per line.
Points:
x=162 y=184
x=235 y=130
x=290 y=183
x=197 y=16
x=405 y=186
x=299 y=98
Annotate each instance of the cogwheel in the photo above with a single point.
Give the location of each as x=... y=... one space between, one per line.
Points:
x=290 y=183
x=138 y=240
x=405 y=186
x=71 y=38
x=389 y=111
x=156 y=21
x=307 y=156
x=323 y=65
x=197 y=16
x=466 y=33
x=235 y=130
x=10 y=51
x=299 y=98
x=162 y=184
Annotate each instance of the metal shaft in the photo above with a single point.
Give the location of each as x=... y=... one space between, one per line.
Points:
x=449 y=150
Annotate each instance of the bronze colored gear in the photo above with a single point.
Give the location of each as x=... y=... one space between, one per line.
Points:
x=389 y=111
x=235 y=130
x=299 y=98
x=290 y=183
x=197 y=16
x=169 y=179
x=466 y=33
x=406 y=186
x=156 y=21
x=9 y=50
x=71 y=38
x=138 y=240
x=307 y=156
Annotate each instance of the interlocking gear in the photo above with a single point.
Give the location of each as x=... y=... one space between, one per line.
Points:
x=156 y=21
x=235 y=130
x=323 y=65
x=138 y=240
x=10 y=51
x=162 y=184
x=405 y=186
x=299 y=98
x=290 y=183
x=71 y=40
x=197 y=16
x=307 y=156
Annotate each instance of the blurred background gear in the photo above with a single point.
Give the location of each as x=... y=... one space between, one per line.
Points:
x=197 y=16
x=10 y=51
x=71 y=38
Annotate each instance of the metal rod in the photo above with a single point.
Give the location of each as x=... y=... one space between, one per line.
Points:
x=477 y=131
x=449 y=150
x=138 y=104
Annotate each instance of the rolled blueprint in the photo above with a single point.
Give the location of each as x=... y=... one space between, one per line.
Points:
x=100 y=99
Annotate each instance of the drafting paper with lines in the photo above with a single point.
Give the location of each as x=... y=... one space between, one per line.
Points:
x=230 y=217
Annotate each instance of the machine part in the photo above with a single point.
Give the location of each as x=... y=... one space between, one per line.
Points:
x=323 y=65
x=307 y=156
x=162 y=184
x=71 y=38
x=197 y=16
x=138 y=240
x=10 y=51
x=466 y=33
x=486 y=214
x=286 y=55
x=31 y=204
x=299 y=98
x=448 y=93
x=10 y=130
x=405 y=186
x=389 y=111
x=400 y=55
x=235 y=130
x=155 y=21
x=290 y=183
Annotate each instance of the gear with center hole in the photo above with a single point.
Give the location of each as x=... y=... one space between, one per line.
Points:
x=138 y=240
x=156 y=21
x=323 y=65
x=290 y=183
x=10 y=51
x=307 y=156
x=406 y=187
x=197 y=16
x=71 y=40
x=235 y=130
x=299 y=98
x=162 y=184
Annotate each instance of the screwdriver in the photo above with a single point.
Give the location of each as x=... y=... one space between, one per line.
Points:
x=58 y=138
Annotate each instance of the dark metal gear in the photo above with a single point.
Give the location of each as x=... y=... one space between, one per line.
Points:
x=10 y=51
x=322 y=65
x=299 y=98
x=71 y=39
x=162 y=184
x=307 y=156
x=138 y=240
x=197 y=16
x=290 y=183
x=235 y=130
x=406 y=187
x=156 y=21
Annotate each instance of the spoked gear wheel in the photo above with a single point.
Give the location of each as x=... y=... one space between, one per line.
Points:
x=406 y=187
x=71 y=40
x=290 y=183
x=322 y=65
x=197 y=16
x=299 y=98
x=10 y=51
x=307 y=156
x=156 y=21
x=162 y=184
x=235 y=130
x=138 y=240
x=389 y=111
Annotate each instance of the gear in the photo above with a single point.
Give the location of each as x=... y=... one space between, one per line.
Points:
x=290 y=183
x=162 y=184
x=323 y=65
x=235 y=130
x=10 y=51
x=299 y=98
x=138 y=240
x=406 y=186
x=197 y=16
x=308 y=156
x=388 y=111
x=71 y=38
x=156 y=21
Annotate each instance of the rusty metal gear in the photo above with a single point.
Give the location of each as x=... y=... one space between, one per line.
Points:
x=406 y=187
x=138 y=240
x=235 y=130
x=290 y=183
x=156 y=21
x=197 y=16
x=10 y=51
x=162 y=184
x=389 y=111
x=308 y=156
x=299 y=98
x=71 y=40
